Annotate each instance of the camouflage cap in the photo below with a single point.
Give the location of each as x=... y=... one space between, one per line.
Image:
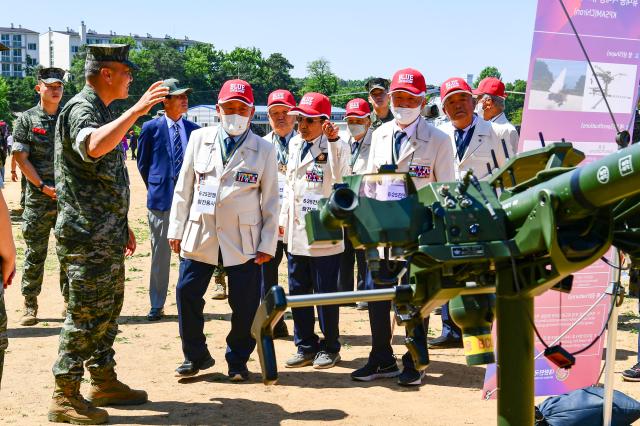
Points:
x=377 y=83
x=3 y=47
x=174 y=90
x=109 y=53
x=51 y=75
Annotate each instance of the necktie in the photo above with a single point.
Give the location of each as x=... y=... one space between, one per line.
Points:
x=354 y=147
x=282 y=152
x=229 y=144
x=306 y=146
x=460 y=148
x=398 y=137
x=177 y=150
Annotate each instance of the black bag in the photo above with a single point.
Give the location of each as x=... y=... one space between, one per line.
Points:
x=583 y=407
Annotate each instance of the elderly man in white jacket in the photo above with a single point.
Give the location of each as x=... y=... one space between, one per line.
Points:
x=224 y=212
x=318 y=158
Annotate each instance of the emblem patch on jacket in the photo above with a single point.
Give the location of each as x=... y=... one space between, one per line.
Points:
x=246 y=177
x=419 y=171
x=315 y=175
x=321 y=158
x=39 y=131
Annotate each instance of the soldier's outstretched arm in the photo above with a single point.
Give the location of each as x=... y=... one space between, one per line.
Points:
x=105 y=138
x=7 y=247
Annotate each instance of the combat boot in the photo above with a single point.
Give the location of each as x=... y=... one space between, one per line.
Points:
x=106 y=389
x=68 y=406
x=30 y=316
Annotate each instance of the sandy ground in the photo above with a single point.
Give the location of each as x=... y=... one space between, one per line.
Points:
x=147 y=354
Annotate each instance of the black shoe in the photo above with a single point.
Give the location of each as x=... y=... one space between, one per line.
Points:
x=444 y=342
x=155 y=314
x=372 y=372
x=239 y=376
x=410 y=377
x=632 y=374
x=280 y=330
x=191 y=368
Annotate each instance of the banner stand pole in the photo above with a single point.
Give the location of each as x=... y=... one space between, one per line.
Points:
x=612 y=332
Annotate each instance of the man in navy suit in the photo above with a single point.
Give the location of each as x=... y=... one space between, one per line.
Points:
x=161 y=147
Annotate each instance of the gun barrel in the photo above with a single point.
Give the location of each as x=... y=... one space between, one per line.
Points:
x=585 y=189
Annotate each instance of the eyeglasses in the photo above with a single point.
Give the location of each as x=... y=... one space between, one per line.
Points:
x=308 y=120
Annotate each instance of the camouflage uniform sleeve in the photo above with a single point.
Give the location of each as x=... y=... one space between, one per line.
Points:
x=83 y=121
x=21 y=135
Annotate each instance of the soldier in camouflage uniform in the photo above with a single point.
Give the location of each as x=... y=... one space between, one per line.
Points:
x=33 y=139
x=378 y=89
x=92 y=185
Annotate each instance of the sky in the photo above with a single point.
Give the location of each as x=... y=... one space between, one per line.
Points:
x=441 y=38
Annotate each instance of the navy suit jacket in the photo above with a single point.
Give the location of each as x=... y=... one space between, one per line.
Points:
x=155 y=161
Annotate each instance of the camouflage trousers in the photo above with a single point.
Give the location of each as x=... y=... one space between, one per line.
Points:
x=96 y=291
x=36 y=227
x=4 y=342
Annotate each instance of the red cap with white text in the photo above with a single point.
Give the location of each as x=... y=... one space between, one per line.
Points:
x=358 y=107
x=452 y=86
x=313 y=104
x=281 y=97
x=490 y=86
x=408 y=80
x=236 y=90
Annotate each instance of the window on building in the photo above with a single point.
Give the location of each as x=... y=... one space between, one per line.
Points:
x=74 y=49
x=4 y=38
x=31 y=46
x=17 y=40
x=17 y=55
x=6 y=69
x=17 y=67
x=5 y=55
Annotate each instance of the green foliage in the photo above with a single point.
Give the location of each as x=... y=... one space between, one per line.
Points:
x=487 y=72
x=515 y=102
x=5 y=110
x=320 y=78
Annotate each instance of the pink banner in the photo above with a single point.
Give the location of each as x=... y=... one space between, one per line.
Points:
x=563 y=101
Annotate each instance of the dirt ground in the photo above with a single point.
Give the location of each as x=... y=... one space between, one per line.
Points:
x=148 y=352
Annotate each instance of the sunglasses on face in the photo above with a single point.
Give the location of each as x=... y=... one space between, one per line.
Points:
x=308 y=120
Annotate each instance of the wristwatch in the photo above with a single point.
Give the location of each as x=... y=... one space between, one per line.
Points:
x=41 y=187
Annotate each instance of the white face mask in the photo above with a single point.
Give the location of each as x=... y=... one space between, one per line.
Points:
x=356 y=129
x=479 y=109
x=405 y=116
x=234 y=124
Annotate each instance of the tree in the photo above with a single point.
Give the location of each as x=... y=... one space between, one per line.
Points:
x=542 y=76
x=5 y=110
x=22 y=94
x=202 y=67
x=487 y=72
x=320 y=78
x=278 y=73
x=347 y=90
x=515 y=101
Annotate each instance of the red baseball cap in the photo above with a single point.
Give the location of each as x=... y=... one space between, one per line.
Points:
x=313 y=104
x=408 y=80
x=454 y=85
x=490 y=86
x=281 y=97
x=358 y=107
x=236 y=90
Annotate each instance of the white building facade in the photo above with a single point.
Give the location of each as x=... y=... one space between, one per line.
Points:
x=23 y=50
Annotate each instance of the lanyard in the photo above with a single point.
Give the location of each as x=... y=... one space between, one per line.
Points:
x=464 y=144
x=355 y=155
x=226 y=156
x=283 y=151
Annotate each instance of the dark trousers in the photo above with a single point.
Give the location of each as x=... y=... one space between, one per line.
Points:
x=308 y=275
x=380 y=322
x=349 y=258
x=449 y=328
x=244 y=298
x=269 y=276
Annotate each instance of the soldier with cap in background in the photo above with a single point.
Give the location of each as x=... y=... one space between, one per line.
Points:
x=378 y=89
x=358 y=119
x=33 y=146
x=92 y=186
x=490 y=105
x=279 y=103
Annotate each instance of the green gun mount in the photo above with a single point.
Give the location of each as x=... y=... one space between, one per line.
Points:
x=525 y=230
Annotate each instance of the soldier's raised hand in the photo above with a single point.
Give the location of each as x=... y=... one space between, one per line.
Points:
x=154 y=95
x=330 y=130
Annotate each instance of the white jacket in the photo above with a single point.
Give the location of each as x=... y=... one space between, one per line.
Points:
x=506 y=131
x=478 y=153
x=308 y=180
x=359 y=166
x=429 y=149
x=244 y=217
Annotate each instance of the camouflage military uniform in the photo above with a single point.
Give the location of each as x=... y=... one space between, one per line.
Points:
x=93 y=200
x=34 y=134
x=377 y=121
x=4 y=342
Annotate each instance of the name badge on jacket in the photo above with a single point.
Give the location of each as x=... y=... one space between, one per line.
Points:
x=315 y=175
x=419 y=171
x=246 y=177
